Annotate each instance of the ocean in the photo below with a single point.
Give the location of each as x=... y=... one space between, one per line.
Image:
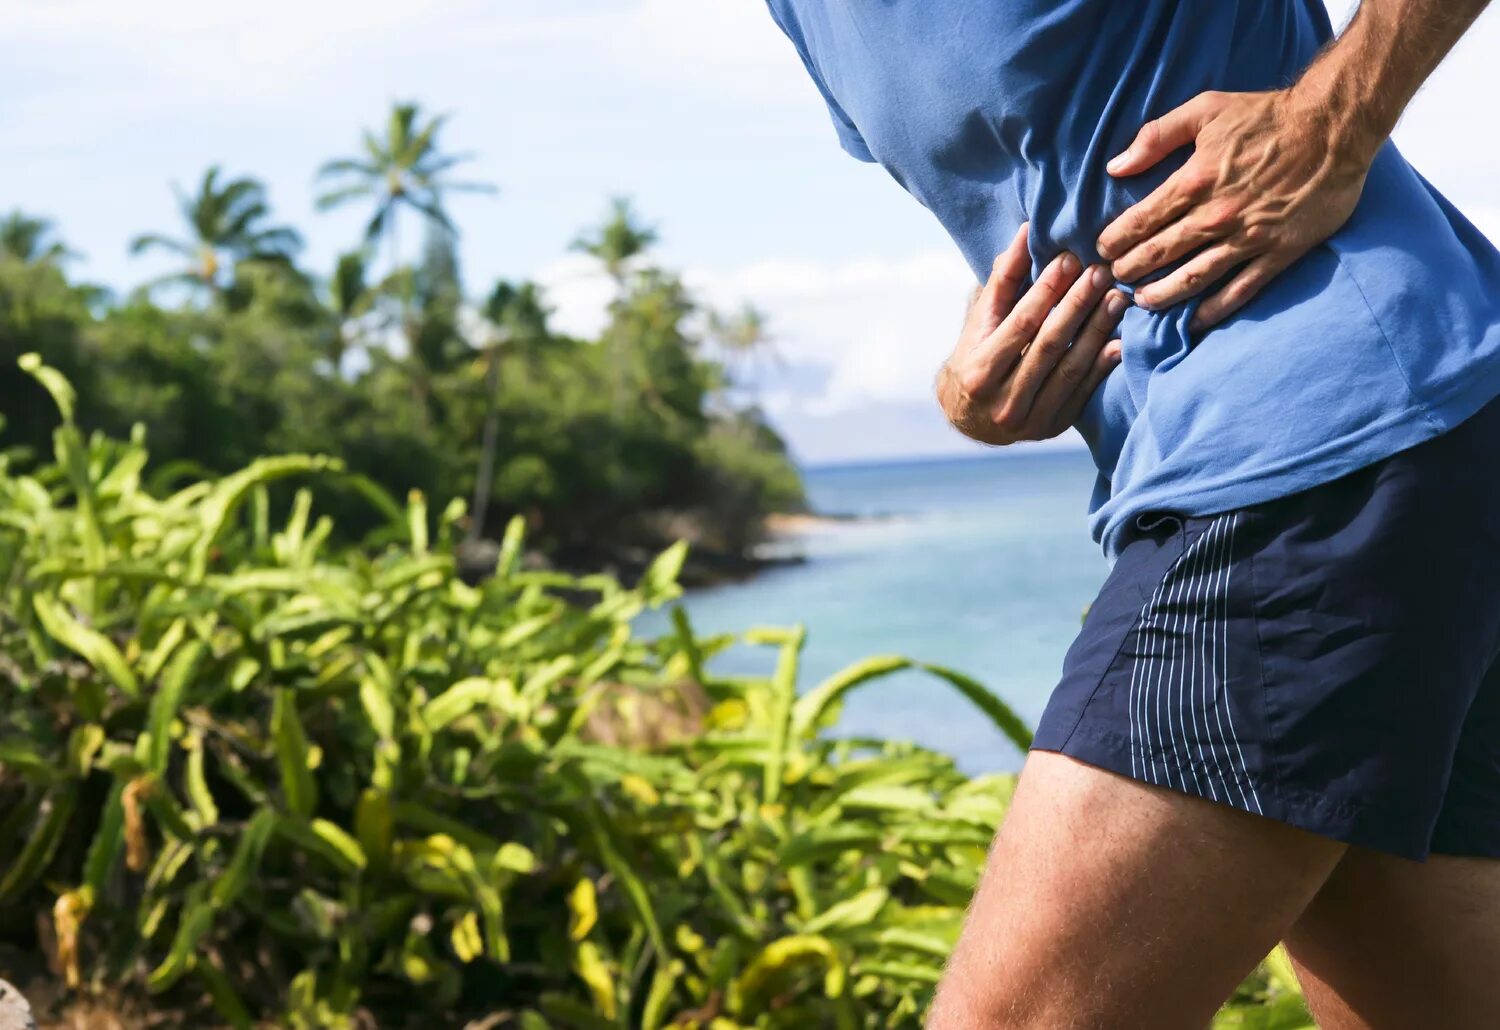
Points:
x=982 y=564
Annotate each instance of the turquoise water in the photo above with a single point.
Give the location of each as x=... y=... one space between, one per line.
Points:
x=985 y=565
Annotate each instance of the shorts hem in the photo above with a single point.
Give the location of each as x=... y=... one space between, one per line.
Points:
x=1347 y=820
x=1467 y=845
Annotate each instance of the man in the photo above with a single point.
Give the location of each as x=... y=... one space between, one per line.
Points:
x=1281 y=720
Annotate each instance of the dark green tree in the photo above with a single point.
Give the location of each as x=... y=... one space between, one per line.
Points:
x=517 y=319
x=350 y=299
x=619 y=241
x=30 y=240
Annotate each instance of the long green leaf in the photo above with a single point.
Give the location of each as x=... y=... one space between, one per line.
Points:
x=89 y=644
x=298 y=788
x=1000 y=713
x=165 y=702
x=55 y=811
x=783 y=698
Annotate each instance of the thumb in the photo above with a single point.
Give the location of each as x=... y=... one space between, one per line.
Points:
x=1172 y=131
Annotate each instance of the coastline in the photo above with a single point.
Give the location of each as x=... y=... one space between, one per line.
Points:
x=779 y=525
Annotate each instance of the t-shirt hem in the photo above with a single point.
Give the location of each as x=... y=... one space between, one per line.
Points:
x=1338 y=457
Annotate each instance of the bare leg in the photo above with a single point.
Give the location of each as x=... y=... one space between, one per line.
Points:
x=1111 y=903
x=1393 y=943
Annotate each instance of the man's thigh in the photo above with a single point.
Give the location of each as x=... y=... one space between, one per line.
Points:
x=1108 y=902
x=1393 y=943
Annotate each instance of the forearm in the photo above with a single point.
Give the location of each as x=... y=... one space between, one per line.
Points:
x=1362 y=82
x=1273 y=173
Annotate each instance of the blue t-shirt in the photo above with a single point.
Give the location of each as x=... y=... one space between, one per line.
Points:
x=995 y=112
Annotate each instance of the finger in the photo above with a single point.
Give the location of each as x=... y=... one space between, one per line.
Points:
x=1075 y=365
x=1060 y=327
x=1172 y=131
x=1166 y=204
x=991 y=360
x=1020 y=326
x=1239 y=291
x=1200 y=227
x=1007 y=276
x=1197 y=275
x=1107 y=360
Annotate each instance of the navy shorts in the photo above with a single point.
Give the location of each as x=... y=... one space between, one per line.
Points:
x=1327 y=659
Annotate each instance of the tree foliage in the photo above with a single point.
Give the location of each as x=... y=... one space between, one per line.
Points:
x=226 y=225
x=396 y=372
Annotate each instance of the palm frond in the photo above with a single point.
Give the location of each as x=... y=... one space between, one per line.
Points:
x=379 y=156
x=334 y=198
x=156 y=241
x=377 y=223
x=399 y=128
x=434 y=164
x=433 y=210
x=279 y=240
x=236 y=223
x=425 y=142
x=450 y=186
x=346 y=166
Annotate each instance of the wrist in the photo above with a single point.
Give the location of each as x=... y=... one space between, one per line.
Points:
x=1345 y=116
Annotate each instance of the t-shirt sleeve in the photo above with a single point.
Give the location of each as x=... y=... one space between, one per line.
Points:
x=849 y=136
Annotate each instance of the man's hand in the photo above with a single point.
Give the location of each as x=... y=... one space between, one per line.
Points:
x=1274 y=174
x=1264 y=186
x=1023 y=369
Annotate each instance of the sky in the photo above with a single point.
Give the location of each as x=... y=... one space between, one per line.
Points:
x=698 y=110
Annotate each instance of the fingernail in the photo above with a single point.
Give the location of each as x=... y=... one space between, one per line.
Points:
x=1144 y=300
x=1104 y=250
x=1115 y=305
x=1069 y=264
x=1099 y=277
x=1117 y=162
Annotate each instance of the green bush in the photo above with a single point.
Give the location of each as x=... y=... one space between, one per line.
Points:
x=335 y=788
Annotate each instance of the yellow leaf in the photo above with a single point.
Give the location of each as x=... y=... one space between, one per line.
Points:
x=584 y=905
x=68 y=915
x=689 y=941
x=467 y=942
x=640 y=789
x=591 y=968
x=137 y=850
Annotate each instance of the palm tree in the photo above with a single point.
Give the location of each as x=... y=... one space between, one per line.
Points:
x=403 y=169
x=349 y=298
x=226 y=224
x=518 y=309
x=619 y=240
x=518 y=316
x=31 y=240
x=743 y=337
x=616 y=244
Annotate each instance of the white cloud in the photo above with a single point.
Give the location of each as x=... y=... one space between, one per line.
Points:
x=881 y=328
x=876 y=329
x=578 y=291
x=162 y=56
